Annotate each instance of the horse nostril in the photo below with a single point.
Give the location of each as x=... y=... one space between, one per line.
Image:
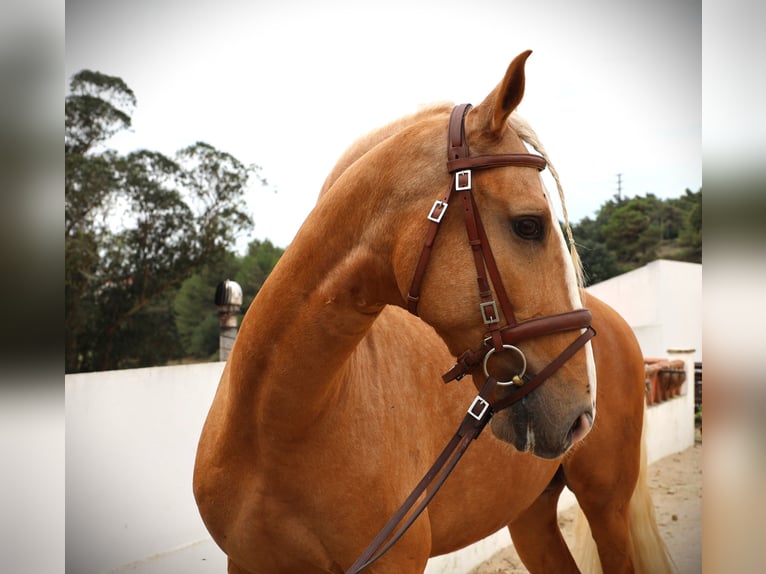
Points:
x=581 y=427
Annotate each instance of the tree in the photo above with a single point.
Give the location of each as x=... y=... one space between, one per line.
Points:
x=196 y=318
x=598 y=262
x=97 y=107
x=633 y=232
x=630 y=232
x=136 y=227
x=255 y=267
x=690 y=235
x=195 y=314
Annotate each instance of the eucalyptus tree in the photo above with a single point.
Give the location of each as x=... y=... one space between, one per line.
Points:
x=137 y=225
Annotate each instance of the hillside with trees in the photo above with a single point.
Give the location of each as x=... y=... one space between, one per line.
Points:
x=628 y=233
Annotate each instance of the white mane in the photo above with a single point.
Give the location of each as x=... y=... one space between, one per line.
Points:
x=528 y=135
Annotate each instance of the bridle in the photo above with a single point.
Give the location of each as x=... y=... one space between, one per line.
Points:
x=498 y=339
x=461 y=165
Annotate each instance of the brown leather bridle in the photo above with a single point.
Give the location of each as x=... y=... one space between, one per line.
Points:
x=497 y=339
x=462 y=165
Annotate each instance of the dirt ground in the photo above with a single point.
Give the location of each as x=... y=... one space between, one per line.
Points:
x=676 y=486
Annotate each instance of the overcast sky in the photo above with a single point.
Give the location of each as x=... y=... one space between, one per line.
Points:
x=612 y=87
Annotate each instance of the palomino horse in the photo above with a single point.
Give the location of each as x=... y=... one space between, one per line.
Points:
x=331 y=406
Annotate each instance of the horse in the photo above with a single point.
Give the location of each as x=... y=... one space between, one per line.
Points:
x=331 y=404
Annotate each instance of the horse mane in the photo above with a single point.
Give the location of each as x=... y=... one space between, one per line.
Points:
x=528 y=135
x=368 y=141
x=522 y=128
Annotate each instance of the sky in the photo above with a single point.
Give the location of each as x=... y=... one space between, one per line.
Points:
x=612 y=87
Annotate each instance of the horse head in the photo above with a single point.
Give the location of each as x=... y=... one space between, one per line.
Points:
x=495 y=214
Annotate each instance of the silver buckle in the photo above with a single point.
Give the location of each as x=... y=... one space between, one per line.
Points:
x=467 y=174
x=481 y=404
x=489 y=320
x=440 y=208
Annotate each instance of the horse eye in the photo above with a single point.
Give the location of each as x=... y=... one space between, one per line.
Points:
x=528 y=227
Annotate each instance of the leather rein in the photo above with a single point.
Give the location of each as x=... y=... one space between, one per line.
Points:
x=497 y=340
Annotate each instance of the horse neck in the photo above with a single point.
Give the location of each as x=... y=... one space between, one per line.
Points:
x=313 y=310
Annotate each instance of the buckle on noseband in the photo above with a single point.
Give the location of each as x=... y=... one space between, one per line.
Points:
x=478 y=408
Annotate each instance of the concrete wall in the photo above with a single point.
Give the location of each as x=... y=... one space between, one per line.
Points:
x=662 y=302
x=670 y=425
x=131 y=437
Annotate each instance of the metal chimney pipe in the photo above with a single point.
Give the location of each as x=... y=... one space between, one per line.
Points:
x=228 y=297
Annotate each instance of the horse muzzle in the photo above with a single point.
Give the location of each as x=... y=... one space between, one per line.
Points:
x=532 y=425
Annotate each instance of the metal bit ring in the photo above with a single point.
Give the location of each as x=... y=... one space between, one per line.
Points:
x=517 y=379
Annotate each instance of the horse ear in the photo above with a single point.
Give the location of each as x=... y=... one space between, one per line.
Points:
x=499 y=104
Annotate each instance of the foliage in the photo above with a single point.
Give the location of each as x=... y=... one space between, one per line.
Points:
x=261 y=258
x=136 y=226
x=630 y=232
x=99 y=106
x=195 y=315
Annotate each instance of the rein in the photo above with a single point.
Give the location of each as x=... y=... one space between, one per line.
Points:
x=497 y=340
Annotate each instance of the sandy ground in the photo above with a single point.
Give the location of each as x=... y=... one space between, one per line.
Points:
x=676 y=485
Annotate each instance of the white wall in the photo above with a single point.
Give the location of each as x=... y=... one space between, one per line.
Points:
x=662 y=302
x=131 y=437
x=670 y=424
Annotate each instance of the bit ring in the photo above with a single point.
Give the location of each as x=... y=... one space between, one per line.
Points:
x=517 y=379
